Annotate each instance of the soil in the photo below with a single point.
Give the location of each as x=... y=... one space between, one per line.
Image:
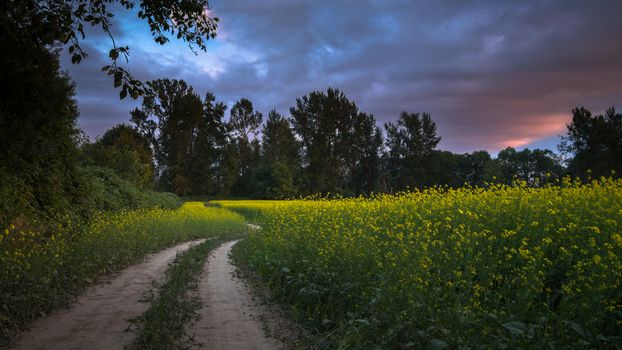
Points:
x=99 y=319
x=230 y=317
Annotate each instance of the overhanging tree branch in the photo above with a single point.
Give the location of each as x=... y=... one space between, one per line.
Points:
x=62 y=22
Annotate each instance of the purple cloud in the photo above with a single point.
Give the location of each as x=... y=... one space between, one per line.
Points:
x=491 y=73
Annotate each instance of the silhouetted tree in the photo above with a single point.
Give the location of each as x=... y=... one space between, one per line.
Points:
x=244 y=122
x=442 y=168
x=279 y=141
x=536 y=167
x=280 y=160
x=332 y=132
x=169 y=118
x=410 y=147
x=595 y=142
x=475 y=167
x=455 y=170
x=228 y=168
x=207 y=153
x=366 y=166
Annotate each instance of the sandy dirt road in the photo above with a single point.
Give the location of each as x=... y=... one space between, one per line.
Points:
x=230 y=318
x=99 y=318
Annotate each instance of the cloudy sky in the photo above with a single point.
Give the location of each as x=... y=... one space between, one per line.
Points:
x=491 y=73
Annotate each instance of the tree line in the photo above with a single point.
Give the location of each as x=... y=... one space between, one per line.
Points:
x=182 y=142
x=327 y=145
x=44 y=176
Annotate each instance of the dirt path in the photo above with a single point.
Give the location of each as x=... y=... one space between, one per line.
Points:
x=99 y=318
x=230 y=318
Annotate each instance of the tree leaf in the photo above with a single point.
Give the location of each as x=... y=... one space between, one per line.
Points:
x=118 y=76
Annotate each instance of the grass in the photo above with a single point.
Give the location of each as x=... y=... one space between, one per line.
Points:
x=41 y=270
x=252 y=210
x=280 y=323
x=162 y=326
x=501 y=267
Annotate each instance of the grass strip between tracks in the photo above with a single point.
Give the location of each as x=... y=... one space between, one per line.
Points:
x=162 y=326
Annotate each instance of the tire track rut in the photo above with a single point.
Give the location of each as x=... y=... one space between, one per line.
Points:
x=99 y=319
x=229 y=318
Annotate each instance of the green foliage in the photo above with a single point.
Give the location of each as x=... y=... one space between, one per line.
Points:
x=162 y=326
x=52 y=23
x=165 y=200
x=595 y=142
x=244 y=120
x=456 y=170
x=16 y=198
x=505 y=267
x=411 y=143
x=228 y=169
x=125 y=151
x=279 y=142
x=327 y=146
x=42 y=267
x=536 y=167
x=38 y=152
x=40 y=177
x=243 y=123
x=335 y=139
x=280 y=160
x=273 y=180
x=207 y=150
x=247 y=156
x=186 y=134
x=104 y=190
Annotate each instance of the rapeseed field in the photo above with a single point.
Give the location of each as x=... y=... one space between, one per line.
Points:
x=41 y=268
x=471 y=268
